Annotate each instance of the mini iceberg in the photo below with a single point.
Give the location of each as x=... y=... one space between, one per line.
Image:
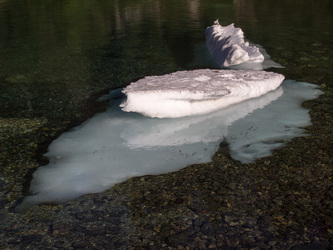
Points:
x=228 y=48
x=186 y=93
x=203 y=59
x=115 y=145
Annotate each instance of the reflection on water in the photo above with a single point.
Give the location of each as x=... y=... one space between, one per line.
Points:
x=72 y=41
x=114 y=146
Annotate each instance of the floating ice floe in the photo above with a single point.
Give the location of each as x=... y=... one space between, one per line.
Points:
x=114 y=146
x=186 y=93
x=203 y=59
x=228 y=48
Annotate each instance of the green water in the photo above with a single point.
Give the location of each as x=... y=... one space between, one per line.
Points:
x=56 y=55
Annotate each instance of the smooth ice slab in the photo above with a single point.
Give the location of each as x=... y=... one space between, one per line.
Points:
x=227 y=46
x=186 y=93
x=114 y=146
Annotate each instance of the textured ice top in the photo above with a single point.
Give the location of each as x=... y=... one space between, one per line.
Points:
x=185 y=93
x=227 y=46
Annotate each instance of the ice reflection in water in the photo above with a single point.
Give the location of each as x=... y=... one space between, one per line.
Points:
x=114 y=146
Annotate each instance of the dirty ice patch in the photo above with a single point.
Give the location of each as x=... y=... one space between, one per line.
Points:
x=115 y=145
x=186 y=93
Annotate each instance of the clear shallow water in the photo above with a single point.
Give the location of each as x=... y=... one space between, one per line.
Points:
x=55 y=54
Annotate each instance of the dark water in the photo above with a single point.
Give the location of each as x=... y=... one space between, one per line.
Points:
x=110 y=43
x=55 y=54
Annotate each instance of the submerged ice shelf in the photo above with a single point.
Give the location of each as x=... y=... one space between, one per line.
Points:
x=115 y=145
x=186 y=93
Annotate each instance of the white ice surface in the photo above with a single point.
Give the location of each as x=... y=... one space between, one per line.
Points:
x=228 y=48
x=114 y=146
x=186 y=93
x=203 y=59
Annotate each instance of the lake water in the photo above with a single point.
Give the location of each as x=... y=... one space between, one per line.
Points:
x=55 y=55
x=110 y=43
x=58 y=57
